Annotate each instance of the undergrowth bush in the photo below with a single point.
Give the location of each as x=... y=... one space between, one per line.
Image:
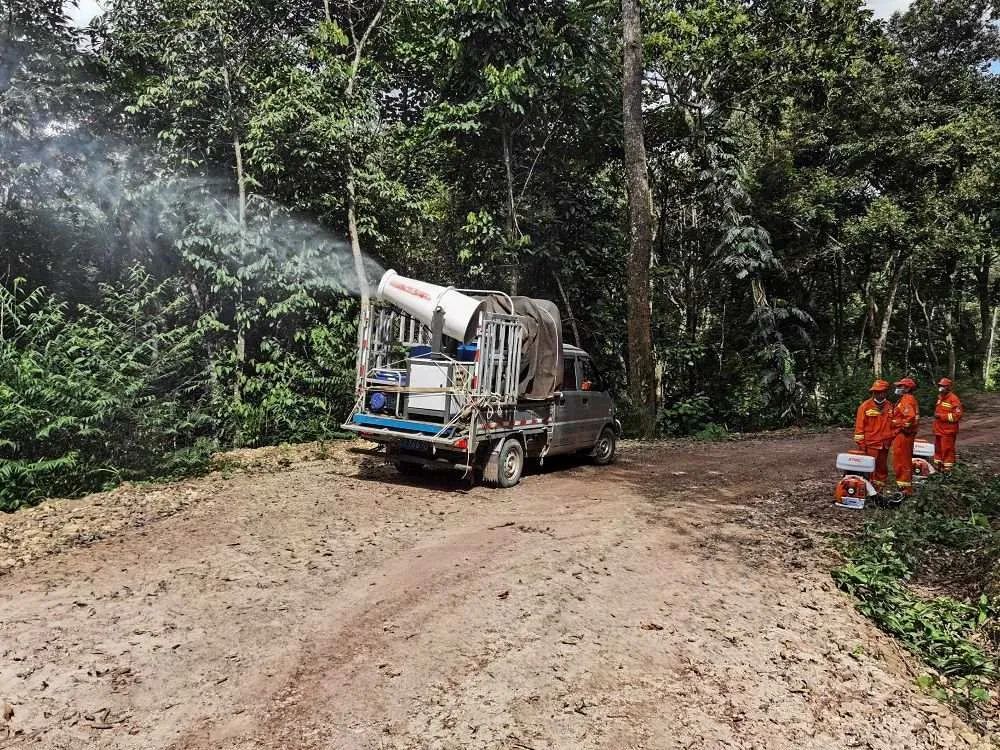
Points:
x=927 y=575
x=139 y=386
x=297 y=394
x=104 y=394
x=685 y=416
x=836 y=399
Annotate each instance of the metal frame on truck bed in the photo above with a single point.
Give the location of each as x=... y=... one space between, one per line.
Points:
x=454 y=405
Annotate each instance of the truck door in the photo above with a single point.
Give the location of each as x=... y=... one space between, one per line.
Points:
x=595 y=404
x=566 y=414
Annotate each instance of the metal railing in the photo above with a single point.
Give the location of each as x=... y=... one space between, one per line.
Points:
x=393 y=331
x=386 y=333
x=499 y=358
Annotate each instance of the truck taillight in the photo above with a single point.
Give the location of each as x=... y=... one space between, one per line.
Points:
x=461 y=444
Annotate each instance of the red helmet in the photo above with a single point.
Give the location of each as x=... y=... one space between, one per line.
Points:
x=879 y=385
x=907 y=383
x=946 y=382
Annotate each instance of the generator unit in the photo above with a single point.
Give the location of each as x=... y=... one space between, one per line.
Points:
x=383 y=395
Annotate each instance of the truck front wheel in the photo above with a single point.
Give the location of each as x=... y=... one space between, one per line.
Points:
x=505 y=464
x=604 y=451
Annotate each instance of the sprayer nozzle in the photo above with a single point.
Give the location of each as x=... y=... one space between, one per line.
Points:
x=380 y=293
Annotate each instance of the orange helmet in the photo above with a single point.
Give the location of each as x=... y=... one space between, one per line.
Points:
x=946 y=382
x=907 y=383
x=879 y=385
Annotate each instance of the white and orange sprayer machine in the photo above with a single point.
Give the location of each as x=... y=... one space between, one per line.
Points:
x=855 y=488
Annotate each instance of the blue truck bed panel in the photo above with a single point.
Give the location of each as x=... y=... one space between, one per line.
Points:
x=426 y=428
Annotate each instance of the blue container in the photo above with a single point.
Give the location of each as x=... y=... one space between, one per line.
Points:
x=467 y=352
x=420 y=350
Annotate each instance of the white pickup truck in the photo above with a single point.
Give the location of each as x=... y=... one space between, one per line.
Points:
x=475 y=380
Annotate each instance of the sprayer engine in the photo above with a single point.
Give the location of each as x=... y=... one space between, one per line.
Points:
x=923 y=454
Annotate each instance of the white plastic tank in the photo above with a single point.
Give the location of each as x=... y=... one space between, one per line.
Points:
x=856 y=463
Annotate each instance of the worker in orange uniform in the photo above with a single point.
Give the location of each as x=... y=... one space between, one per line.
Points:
x=873 y=431
x=905 y=420
x=947 y=415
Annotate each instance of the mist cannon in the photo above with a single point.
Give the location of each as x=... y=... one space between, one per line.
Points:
x=418 y=298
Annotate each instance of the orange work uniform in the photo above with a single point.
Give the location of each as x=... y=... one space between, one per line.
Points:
x=906 y=420
x=947 y=415
x=873 y=432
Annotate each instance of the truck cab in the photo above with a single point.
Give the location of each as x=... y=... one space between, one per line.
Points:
x=583 y=408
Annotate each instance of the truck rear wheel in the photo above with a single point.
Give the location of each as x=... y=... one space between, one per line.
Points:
x=408 y=468
x=505 y=465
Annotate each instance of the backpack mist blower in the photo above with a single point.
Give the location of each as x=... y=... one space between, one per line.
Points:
x=854 y=489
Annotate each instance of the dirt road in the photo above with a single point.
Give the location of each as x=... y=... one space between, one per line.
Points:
x=670 y=601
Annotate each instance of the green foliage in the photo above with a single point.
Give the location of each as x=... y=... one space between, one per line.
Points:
x=686 y=416
x=944 y=538
x=91 y=398
x=130 y=389
x=297 y=393
x=838 y=396
x=712 y=433
x=823 y=184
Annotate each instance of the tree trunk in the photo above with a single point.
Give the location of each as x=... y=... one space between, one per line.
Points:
x=909 y=324
x=691 y=292
x=949 y=322
x=868 y=321
x=241 y=186
x=640 y=343
x=352 y=219
x=241 y=332
x=986 y=316
x=930 y=331
x=569 y=310
x=722 y=339
x=512 y=230
x=989 y=349
x=838 y=309
x=878 y=345
x=950 y=341
x=352 y=231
